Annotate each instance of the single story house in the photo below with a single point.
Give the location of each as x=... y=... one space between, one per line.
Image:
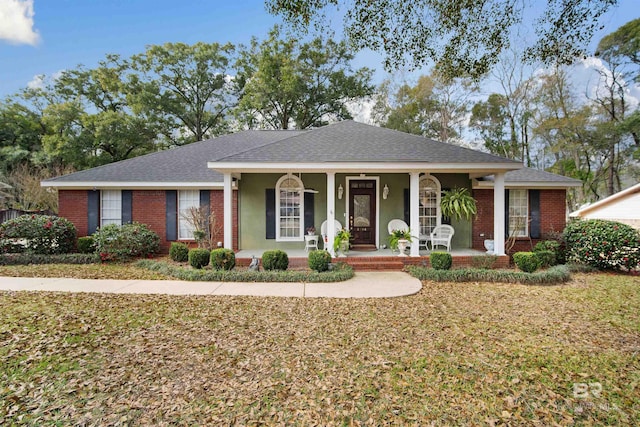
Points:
x=623 y=206
x=266 y=187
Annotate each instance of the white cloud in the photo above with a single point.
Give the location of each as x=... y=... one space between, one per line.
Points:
x=39 y=81
x=16 y=22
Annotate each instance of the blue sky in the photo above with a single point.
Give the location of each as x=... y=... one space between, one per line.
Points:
x=72 y=32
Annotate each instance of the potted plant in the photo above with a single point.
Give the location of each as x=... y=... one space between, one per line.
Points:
x=341 y=241
x=399 y=239
x=458 y=203
x=311 y=230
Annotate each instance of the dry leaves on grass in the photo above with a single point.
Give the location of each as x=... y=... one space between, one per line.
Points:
x=82 y=271
x=483 y=354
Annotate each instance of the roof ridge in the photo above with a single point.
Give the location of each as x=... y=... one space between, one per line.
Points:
x=301 y=131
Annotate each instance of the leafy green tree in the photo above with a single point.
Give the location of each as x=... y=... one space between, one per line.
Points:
x=21 y=131
x=490 y=119
x=623 y=46
x=461 y=37
x=289 y=83
x=190 y=87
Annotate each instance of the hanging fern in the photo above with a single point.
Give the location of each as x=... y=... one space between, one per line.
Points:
x=457 y=203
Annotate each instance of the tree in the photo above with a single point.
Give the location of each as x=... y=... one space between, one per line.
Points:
x=21 y=131
x=189 y=86
x=491 y=119
x=461 y=37
x=623 y=46
x=435 y=107
x=302 y=85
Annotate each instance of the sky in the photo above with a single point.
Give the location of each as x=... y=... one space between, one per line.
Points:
x=46 y=36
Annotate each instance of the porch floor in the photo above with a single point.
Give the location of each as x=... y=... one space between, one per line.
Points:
x=301 y=253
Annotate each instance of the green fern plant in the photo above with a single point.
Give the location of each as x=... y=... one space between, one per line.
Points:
x=458 y=204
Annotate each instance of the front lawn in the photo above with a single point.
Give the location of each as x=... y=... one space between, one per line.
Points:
x=454 y=354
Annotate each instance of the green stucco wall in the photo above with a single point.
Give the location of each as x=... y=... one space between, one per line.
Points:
x=251 y=205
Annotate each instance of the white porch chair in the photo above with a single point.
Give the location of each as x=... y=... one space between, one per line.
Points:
x=397 y=224
x=441 y=236
x=323 y=233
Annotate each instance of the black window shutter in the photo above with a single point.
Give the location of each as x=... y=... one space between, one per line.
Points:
x=93 y=210
x=270 y=212
x=171 y=212
x=534 y=214
x=205 y=200
x=127 y=206
x=506 y=213
x=309 y=214
x=407 y=206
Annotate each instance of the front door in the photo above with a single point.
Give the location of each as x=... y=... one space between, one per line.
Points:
x=362 y=212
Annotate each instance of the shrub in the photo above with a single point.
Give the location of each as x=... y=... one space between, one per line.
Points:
x=199 y=258
x=179 y=252
x=552 y=246
x=319 y=261
x=86 y=245
x=605 y=245
x=526 y=261
x=122 y=242
x=31 y=258
x=40 y=234
x=223 y=259
x=546 y=258
x=484 y=262
x=275 y=260
x=553 y=275
x=441 y=260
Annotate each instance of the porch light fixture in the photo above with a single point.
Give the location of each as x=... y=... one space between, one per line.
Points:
x=385 y=192
x=340 y=191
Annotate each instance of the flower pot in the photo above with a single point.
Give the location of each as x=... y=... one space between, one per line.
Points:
x=402 y=246
x=489 y=245
x=343 y=248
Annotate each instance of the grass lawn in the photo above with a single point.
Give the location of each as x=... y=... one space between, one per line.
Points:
x=454 y=354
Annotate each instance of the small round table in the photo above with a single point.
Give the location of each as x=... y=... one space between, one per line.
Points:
x=310 y=242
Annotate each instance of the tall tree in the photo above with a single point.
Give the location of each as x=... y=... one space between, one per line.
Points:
x=436 y=107
x=21 y=131
x=300 y=85
x=188 y=86
x=623 y=47
x=461 y=37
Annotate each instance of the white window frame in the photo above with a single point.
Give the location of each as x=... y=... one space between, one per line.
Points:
x=421 y=209
x=518 y=211
x=186 y=200
x=110 y=207
x=291 y=195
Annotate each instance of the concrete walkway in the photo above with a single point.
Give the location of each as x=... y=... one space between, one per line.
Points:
x=362 y=285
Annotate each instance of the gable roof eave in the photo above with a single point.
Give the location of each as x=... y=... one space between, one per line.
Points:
x=606 y=201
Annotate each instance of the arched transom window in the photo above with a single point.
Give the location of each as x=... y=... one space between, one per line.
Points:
x=429 y=204
x=289 y=208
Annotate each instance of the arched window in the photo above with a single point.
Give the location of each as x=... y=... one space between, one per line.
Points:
x=289 y=208
x=429 y=204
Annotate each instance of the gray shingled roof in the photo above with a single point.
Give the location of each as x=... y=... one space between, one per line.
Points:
x=536 y=175
x=182 y=164
x=350 y=141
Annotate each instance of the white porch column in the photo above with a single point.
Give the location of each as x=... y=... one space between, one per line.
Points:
x=228 y=211
x=498 y=214
x=414 y=212
x=331 y=211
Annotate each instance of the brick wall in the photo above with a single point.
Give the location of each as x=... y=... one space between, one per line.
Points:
x=552 y=217
x=148 y=207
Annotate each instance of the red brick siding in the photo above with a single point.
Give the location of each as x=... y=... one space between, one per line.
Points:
x=73 y=204
x=148 y=207
x=552 y=217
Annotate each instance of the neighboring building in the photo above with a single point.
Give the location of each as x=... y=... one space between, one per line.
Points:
x=623 y=206
x=266 y=187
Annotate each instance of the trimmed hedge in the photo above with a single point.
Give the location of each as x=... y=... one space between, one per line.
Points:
x=179 y=252
x=605 y=245
x=122 y=242
x=275 y=260
x=27 y=258
x=551 y=276
x=552 y=246
x=526 y=261
x=198 y=258
x=319 y=260
x=546 y=258
x=86 y=245
x=441 y=260
x=39 y=234
x=341 y=273
x=223 y=259
x=485 y=262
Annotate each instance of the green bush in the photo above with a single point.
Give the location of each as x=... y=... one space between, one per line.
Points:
x=605 y=245
x=39 y=234
x=553 y=275
x=223 y=259
x=485 y=262
x=31 y=258
x=526 y=261
x=123 y=242
x=552 y=246
x=178 y=252
x=546 y=258
x=441 y=260
x=199 y=257
x=86 y=245
x=319 y=260
x=341 y=273
x=275 y=260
